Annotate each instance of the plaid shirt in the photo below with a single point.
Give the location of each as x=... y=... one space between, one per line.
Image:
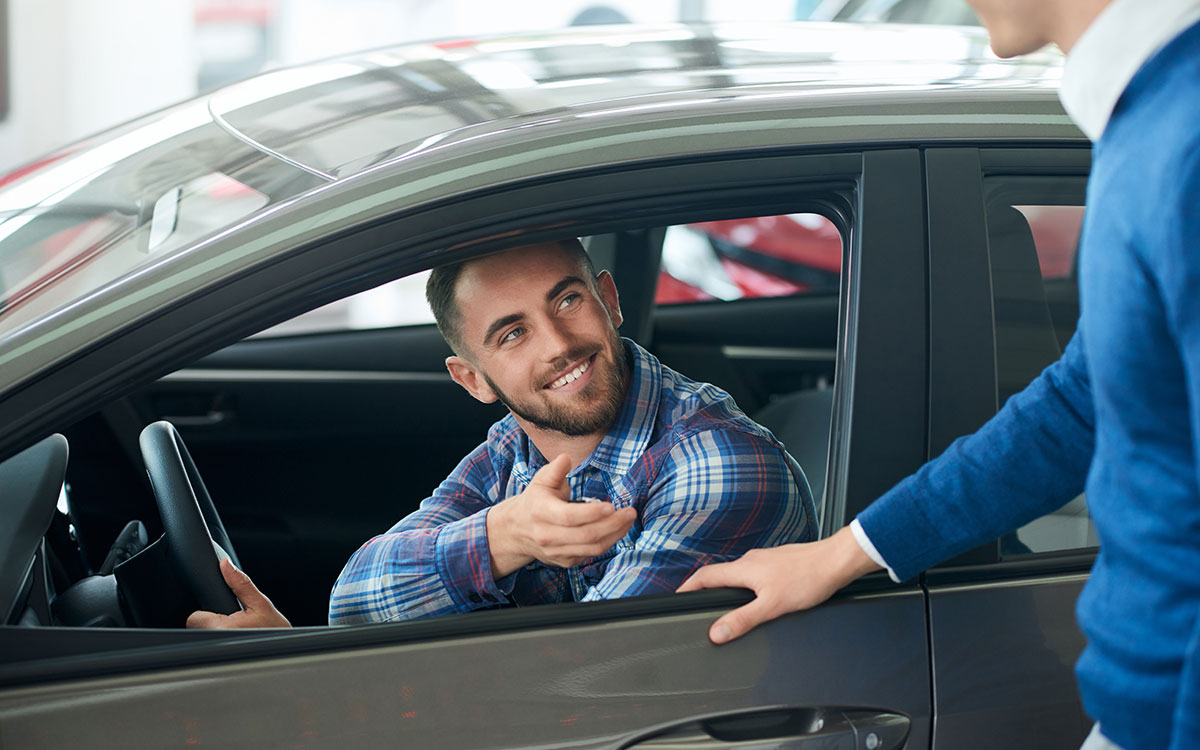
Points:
x=709 y=484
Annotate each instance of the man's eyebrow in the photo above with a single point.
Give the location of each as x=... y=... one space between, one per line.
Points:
x=507 y=320
x=494 y=328
x=561 y=286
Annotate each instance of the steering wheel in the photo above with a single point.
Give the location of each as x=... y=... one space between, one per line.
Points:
x=193 y=532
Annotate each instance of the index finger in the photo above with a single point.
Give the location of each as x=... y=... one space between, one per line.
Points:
x=715 y=576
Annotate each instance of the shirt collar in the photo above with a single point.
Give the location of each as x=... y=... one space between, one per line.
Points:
x=625 y=441
x=1112 y=50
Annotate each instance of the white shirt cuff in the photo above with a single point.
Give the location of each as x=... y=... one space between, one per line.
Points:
x=864 y=541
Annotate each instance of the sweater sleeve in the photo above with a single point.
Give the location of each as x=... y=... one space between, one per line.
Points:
x=1181 y=292
x=1029 y=459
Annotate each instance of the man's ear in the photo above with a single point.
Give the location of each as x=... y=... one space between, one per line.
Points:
x=608 y=294
x=471 y=378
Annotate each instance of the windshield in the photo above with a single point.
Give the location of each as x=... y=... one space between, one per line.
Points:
x=91 y=214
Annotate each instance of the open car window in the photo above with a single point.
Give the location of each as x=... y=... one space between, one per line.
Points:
x=349 y=384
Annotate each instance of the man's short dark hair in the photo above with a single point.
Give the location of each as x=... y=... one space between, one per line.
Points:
x=439 y=291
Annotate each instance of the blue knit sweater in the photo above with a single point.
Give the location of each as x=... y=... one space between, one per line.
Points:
x=1120 y=410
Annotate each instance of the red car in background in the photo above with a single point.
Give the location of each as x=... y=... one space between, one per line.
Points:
x=773 y=256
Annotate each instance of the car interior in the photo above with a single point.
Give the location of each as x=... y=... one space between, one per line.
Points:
x=313 y=438
x=309 y=444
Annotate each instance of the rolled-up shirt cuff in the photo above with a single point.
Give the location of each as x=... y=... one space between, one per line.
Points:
x=864 y=541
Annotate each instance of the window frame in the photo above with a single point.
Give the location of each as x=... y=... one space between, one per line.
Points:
x=962 y=350
x=885 y=240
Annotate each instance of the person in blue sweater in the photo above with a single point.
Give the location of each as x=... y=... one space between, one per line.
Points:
x=1119 y=413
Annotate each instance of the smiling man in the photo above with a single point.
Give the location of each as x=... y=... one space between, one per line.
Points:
x=611 y=476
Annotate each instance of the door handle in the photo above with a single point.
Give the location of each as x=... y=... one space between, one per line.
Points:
x=783 y=729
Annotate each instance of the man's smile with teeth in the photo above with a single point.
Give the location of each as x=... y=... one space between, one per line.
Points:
x=572 y=375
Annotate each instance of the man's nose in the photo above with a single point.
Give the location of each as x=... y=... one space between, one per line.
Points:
x=556 y=342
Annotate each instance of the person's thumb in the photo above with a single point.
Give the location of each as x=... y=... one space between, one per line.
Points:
x=553 y=476
x=203 y=619
x=740 y=621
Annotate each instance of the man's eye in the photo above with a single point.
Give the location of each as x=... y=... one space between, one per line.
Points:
x=569 y=300
x=512 y=335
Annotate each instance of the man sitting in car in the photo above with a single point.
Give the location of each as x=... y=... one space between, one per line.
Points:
x=611 y=476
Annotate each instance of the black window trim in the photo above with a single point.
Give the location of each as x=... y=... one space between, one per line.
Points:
x=962 y=384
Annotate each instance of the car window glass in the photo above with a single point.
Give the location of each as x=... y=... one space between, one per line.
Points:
x=81 y=221
x=765 y=256
x=397 y=303
x=1033 y=230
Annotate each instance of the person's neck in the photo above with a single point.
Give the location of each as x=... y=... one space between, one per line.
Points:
x=552 y=444
x=1073 y=18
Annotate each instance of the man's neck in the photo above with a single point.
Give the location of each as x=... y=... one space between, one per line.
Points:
x=1073 y=18
x=551 y=443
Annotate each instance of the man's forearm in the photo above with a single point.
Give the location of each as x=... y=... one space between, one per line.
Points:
x=416 y=572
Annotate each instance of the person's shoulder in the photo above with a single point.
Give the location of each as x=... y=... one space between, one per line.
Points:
x=709 y=424
x=681 y=397
x=1159 y=111
x=688 y=406
x=505 y=443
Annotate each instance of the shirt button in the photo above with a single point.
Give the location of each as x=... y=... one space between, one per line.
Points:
x=474 y=598
x=489 y=597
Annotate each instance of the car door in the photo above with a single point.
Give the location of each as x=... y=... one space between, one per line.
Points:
x=291 y=428
x=1003 y=303
x=628 y=673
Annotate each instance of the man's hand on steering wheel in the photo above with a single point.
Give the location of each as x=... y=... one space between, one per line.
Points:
x=257 y=609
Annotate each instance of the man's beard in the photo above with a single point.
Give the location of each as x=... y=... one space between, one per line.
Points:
x=608 y=387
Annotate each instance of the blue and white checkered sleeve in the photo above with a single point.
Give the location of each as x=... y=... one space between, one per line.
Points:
x=720 y=493
x=435 y=561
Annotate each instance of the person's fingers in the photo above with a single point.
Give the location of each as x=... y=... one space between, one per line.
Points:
x=560 y=512
x=602 y=532
x=553 y=476
x=591 y=543
x=740 y=621
x=242 y=587
x=202 y=619
x=715 y=576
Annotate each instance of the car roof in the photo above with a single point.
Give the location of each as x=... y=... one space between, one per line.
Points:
x=295 y=155
x=341 y=116
x=345 y=115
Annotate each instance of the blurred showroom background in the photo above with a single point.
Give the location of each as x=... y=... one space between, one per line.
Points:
x=71 y=68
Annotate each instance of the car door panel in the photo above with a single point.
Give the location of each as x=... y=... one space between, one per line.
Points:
x=602 y=684
x=1003 y=628
x=1017 y=661
x=540 y=680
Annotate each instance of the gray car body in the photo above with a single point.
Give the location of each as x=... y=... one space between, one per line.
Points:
x=857 y=102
